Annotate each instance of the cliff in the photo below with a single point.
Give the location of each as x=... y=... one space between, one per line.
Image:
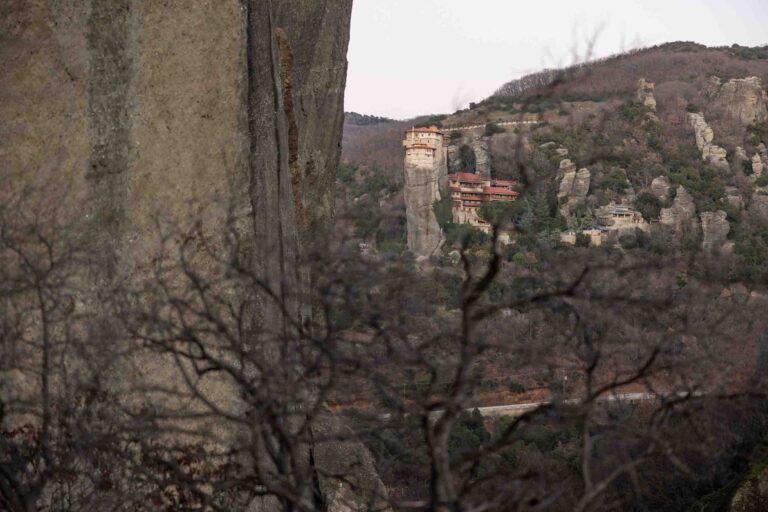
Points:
x=744 y=99
x=704 y=134
x=119 y=110
x=425 y=167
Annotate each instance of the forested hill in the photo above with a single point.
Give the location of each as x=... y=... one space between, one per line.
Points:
x=699 y=121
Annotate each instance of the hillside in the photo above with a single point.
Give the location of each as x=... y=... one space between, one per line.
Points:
x=648 y=173
x=593 y=113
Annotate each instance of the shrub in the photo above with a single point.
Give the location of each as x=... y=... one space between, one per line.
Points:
x=492 y=129
x=465 y=235
x=632 y=110
x=648 y=205
x=582 y=240
x=442 y=209
x=515 y=386
x=455 y=135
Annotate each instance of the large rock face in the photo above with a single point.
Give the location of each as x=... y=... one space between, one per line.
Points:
x=119 y=108
x=425 y=166
x=660 y=187
x=421 y=191
x=482 y=153
x=574 y=186
x=482 y=157
x=715 y=229
x=710 y=152
x=744 y=99
x=681 y=213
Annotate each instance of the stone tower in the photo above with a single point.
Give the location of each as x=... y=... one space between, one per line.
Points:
x=426 y=173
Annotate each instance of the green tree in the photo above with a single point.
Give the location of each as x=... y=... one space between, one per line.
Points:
x=497 y=212
x=443 y=211
x=582 y=240
x=468 y=434
x=648 y=205
x=492 y=129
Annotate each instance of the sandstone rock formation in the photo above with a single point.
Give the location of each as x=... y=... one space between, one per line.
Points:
x=645 y=93
x=733 y=197
x=130 y=105
x=424 y=165
x=715 y=229
x=710 y=152
x=681 y=213
x=660 y=187
x=757 y=166
x=744 y=99
x=759 y=204
x=482 y=157
x=573 y=187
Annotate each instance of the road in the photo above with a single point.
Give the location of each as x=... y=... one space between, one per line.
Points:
x=493 y=411
x=518 y=409
x=479 y=126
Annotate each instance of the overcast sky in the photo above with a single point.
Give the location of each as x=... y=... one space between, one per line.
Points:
x=412 y=57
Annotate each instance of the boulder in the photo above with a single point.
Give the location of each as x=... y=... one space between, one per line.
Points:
x=715 y=229
x=718 y=158
x=744 y=99
x=681 y=212
x=660 y=187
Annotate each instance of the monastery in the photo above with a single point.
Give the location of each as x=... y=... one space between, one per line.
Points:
x=427 y=178
x=470 y=191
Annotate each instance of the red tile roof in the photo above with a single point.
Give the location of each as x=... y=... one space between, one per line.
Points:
x=499 y=191
x=504 y=183
x=465 y=176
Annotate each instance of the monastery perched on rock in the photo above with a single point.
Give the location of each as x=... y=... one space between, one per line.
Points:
x=426 y=173
x=470 y=191
x=427 y=179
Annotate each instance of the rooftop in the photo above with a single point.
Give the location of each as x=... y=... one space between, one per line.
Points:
x=500 y=191
x=431 y=129
x=466 y=176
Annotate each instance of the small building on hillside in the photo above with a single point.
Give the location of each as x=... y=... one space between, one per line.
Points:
x=613 y=221
x=471 y=191
x=619 y=217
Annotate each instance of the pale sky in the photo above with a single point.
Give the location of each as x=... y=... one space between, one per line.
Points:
x=413 y=57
